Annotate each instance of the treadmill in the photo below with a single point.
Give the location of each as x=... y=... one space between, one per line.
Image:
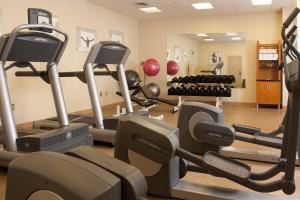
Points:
x=100 y=56
x=25 y=45
x=109 y=122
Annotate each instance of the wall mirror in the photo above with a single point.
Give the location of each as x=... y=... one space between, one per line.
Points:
x=198 y=54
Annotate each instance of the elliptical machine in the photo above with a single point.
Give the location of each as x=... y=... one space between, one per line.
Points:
x=153 y=147
x=211 y=134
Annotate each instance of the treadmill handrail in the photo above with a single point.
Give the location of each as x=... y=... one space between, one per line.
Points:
x=44 y=74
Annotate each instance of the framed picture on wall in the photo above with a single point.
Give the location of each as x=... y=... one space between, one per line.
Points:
x=86 y=38
x=185 y=56
x=169 y=55
x=177 y=54
x=213 y=57
x=192 y=56
x=116 y=36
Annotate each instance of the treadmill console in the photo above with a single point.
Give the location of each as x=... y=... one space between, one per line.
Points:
x=40 y=16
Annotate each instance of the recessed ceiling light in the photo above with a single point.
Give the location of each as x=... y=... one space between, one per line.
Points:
x=236 y=38
x=202 y=6
x=231 y=34
x=202 y=35
x=209 y=39
x=150 y=10
x=261 y=2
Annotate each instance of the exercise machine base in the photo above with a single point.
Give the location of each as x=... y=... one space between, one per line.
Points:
x=192 y=191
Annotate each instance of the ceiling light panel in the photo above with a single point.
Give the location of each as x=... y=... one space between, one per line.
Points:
x=261 y=2
x=150 y=9
x=201 y=35
x=202 y=6
x=231 y=34
x=236 y=38
x=209 y=39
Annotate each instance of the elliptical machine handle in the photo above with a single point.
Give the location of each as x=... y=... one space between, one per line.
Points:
x=291 y=17
x=291 y=31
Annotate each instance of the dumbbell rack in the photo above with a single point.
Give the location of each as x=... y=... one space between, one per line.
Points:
x=203 y=85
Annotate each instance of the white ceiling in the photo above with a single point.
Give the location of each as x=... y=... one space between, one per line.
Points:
x=218 y=37
x=183 y=8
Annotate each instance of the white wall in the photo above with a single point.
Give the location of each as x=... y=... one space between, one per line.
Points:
x=31 y=96
x=264 y=27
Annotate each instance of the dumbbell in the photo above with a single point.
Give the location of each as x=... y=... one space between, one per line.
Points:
x=211 y=78
x=192 y=91
x=179 y=80
x=171 y=91
x=177 y=91
x=184 y=90
x=174 y=80
x=192 y=79
x=223 y=79
x=185 y=79
x=215 y=78
x=197 y=79
x=222 y=92
x=228 y=79
x=196 y=91
x=215 y=91
x=201 y=91
x=227 y=92
x=208 y=91
x=204 y=79
x=231 y=79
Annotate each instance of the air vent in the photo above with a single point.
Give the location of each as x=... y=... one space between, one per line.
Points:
x=143 y=4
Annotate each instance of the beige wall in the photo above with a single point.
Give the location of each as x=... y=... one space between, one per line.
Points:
x=264 y=27
x=31 y=96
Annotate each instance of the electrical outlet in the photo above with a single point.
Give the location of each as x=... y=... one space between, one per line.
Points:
x=13 y=106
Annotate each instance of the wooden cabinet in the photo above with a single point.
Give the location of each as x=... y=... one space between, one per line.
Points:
x=268 y=77
x=268 y=92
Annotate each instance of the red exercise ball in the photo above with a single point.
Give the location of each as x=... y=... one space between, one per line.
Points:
x=151 y=67
x=172 y=68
